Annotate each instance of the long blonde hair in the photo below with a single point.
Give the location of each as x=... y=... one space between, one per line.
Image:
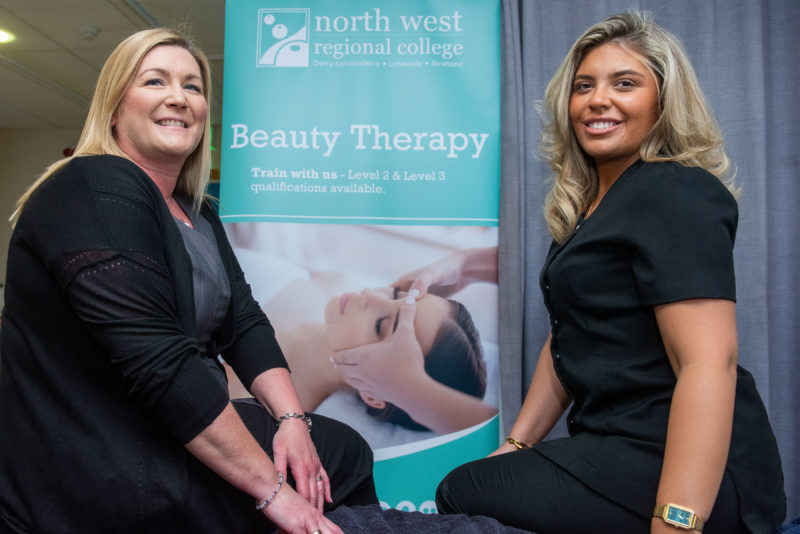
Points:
x=685 y=132
x=97 y=136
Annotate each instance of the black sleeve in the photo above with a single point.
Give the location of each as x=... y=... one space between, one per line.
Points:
x=101 y=231
x=683 y=228
x=255 y=348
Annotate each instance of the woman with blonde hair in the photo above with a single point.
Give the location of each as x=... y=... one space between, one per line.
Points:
x=98 y=138
x=666 y=431
x=121 y=291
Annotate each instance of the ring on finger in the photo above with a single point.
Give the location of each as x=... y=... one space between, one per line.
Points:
x=317 y=532
x=319 y=479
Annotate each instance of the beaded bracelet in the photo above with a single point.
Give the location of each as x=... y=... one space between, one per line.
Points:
x=263 y=504
x=517 y=444
x=294 y=415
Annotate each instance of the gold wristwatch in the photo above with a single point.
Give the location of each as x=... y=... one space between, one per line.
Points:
x=679 y=516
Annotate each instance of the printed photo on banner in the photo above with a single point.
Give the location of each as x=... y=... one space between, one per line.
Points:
x=328 y=288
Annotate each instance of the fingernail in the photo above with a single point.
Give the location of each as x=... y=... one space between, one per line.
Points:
x=332 y=360
x=413 y=293
x=411 y=300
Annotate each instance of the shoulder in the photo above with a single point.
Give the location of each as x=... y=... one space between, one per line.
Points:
x=84 y=177
x=95 y=201
x=110 y=174
x=95 y=165
x=683 y=227
x=660 y=181
x=670 y=191
x=671 y=199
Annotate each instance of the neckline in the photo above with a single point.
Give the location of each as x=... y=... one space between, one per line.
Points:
x=626 y=174
x=183 y=203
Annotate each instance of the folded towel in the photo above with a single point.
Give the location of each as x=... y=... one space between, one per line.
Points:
x=374 y=520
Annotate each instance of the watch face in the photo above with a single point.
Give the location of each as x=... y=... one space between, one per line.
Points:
x=679 y=516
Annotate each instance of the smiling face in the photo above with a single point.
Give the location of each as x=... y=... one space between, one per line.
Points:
x=370 y=315
x=614 y=105
x=162 y=116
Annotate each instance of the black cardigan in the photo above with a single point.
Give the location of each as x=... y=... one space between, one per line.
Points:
x=101 y=384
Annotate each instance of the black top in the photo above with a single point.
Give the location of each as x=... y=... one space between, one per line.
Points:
x=101 y=384
x=663 y=233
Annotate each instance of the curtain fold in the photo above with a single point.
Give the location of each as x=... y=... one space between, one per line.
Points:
x=511 y=235
x=745 y=54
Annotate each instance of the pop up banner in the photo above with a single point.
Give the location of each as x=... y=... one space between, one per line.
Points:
x=361 y=141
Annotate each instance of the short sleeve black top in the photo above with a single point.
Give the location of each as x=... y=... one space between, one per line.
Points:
x=663 y=233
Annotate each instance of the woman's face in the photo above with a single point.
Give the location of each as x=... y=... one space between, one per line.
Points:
x=370 y=316
x=614 y=104
x=162 y=116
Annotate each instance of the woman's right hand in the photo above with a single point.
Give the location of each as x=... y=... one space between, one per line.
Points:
x=295 y=515
x=442 y=277
x=505 y=448
x=451 y=274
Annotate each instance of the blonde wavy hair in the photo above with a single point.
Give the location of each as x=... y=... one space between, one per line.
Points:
x=115 y=77
x=685 y=132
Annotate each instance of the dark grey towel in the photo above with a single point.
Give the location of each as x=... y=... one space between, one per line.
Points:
x=373 y=520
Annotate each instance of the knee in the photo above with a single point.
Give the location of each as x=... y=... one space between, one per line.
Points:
x=355 y=443
x=446 y=497
x=341 y=441
x=348 y=460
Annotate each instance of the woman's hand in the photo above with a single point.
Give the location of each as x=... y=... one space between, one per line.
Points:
x=389 y=370
x=293 y=449
x=295 y=515
x=505 y=448
x=394 y=371
x=452 y=273
x=228 y=448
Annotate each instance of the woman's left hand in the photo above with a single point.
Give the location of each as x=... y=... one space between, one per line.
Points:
x=292 y=447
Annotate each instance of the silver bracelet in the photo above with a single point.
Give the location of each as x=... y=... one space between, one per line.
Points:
x=263 y=504
x=294 y=415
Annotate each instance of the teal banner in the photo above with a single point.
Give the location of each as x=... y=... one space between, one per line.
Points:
x=378 y=112
x=360 y=142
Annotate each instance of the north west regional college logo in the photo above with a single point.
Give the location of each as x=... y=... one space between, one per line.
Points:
x=283 y=37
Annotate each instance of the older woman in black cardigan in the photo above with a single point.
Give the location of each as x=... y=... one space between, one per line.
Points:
x=121 y=291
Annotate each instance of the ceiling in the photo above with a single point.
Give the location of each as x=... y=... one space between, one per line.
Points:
x=47 y=74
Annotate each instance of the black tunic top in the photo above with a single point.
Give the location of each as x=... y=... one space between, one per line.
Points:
x=663 y=233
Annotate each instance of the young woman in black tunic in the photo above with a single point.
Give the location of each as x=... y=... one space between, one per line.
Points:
x=666 y=431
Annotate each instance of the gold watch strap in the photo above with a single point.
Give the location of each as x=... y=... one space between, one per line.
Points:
x=695 y=522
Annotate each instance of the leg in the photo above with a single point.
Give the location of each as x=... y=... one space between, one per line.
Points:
x=212 y=505
x=344 y=454
x=524 y=489
x=347 y=458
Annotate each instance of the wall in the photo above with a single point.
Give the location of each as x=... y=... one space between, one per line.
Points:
x=24 y=154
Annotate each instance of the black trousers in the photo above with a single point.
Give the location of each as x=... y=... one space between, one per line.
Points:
x=523 y=489
x=219 y=507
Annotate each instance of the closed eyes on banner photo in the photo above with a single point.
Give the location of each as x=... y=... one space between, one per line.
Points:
x=360 y=141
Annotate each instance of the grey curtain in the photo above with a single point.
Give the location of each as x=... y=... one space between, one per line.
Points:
x=746 y=54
